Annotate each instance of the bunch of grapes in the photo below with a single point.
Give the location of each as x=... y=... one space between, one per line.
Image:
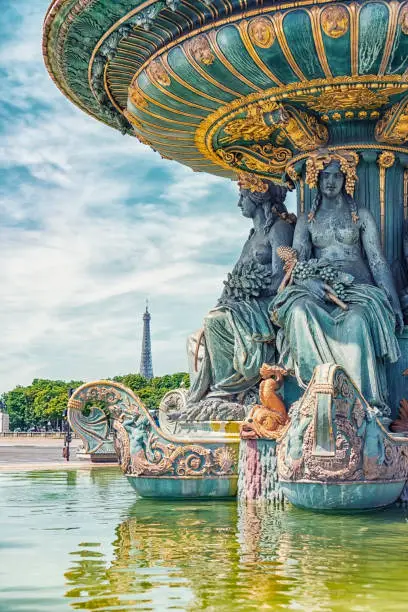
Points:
x=329 y=275
x=302 y=270
x=247 y=281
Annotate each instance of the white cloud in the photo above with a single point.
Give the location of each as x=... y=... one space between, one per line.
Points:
x=87 y=235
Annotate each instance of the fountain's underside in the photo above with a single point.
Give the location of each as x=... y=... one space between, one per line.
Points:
x=230 y=85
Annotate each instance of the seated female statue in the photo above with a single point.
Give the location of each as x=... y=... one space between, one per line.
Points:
x=238 y=336
x=345 y=239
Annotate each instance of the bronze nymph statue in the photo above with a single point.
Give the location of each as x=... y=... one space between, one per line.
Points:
x=238 y=335
x=340 y=244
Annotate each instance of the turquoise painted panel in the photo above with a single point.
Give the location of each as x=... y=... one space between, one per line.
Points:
x=170 y=128
x=186 y=94
x=179 y=63
x=338 y=54
x=350 y=497
x=153 y=92
x=275 y=60
x=221 y=73
x=160 y=111
x=185 y=488
x=399 y=56
x=231 y=45
x=373 y=27
x=298 y=32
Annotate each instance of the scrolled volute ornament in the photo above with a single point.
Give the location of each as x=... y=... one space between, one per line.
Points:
x=318 y=161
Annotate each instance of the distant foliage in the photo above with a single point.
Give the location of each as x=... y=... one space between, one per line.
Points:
x=44 y=401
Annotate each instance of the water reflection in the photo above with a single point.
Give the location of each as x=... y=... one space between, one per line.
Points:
x=215 y=556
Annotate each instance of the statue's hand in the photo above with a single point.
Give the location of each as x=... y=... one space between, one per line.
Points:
x=315 y=286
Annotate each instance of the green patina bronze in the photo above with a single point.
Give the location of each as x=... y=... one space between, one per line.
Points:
x=289 y=92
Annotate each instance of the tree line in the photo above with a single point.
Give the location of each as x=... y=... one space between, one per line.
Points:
x=42 y=404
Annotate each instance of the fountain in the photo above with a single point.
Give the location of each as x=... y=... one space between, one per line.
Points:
x=309 y=96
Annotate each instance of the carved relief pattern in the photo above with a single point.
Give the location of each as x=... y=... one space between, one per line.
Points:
x=335 y=21
x=158 y=74
x=261 y=32
x=363 y=450
x=201 y=50
x=141 y=449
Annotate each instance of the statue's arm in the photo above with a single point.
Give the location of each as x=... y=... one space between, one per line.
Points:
x=302 y=242
x=281 y=234
x=378 y=264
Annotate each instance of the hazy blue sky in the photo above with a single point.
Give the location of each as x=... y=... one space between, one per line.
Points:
x=92 y=223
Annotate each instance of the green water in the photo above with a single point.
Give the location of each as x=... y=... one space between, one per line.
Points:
x=80 y=540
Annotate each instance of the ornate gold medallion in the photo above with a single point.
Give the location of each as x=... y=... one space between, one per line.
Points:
x=261 y=32
x=157 y=73
x=335 y=21
x=201 y=50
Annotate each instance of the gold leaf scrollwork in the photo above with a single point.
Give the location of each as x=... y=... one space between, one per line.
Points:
x=251 y=127
x=261 y=32
x=335 y=21
x=257 y=158
x=392 y=128
x=157 y=73
x=386 y=159
x=302 y=129
x=201 y=50
x=160 y=458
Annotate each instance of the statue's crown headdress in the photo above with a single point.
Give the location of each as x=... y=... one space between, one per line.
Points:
x=319 y=160
x=252 y=182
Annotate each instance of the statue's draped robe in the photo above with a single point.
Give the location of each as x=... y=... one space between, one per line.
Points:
x=238 y=339
x=360 y=339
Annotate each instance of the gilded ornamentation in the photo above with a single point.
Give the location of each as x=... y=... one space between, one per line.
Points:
x=393 y=126
x=265 y=159
x=386 y=160
x=303 y=130
x=335 y=21
x=252 y=127
x=157 y=73
x=141 y=447
x=261 y=32
x=201 y=50
x=158 y=458
x=252 y=182
x=137 y=98
x=268 y=419
x=350 y=97
x=348 y=161
x=362 y=449
x=403 y=20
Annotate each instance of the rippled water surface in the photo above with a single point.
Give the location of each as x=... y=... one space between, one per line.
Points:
x=80 y=540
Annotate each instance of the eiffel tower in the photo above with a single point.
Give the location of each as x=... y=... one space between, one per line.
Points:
x=146 y=364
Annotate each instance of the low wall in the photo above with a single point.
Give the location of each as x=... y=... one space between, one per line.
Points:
x=36 y=434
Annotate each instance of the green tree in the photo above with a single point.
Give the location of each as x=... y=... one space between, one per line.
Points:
x=46 y=400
